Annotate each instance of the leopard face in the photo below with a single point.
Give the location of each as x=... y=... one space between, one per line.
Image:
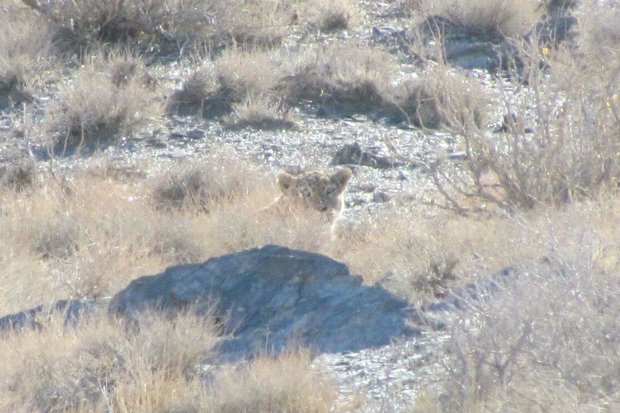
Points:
x=317 y=190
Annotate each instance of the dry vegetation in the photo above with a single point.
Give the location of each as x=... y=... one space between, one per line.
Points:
x=539 y=195
x=485 y=18
x=109 y=97
x=25 y=53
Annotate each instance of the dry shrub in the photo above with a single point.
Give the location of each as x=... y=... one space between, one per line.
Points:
x=549 y=342
x=547 y=339
x=242 y=73
x=421 y=258
x=18 y=175
x=165 y=22
x=331 y=15
x=86 y=235
x=599 y=33
x=110 y=96
x=486 y=18
x=237 y=77
x=571 y=152
x=343 y=76
x=101 y=366
x=199 y=94
x=202 y=185
x=284 y=384
x=439 y=98
x=74 y=238
x=260 y=112
x=252 y=23
x=25 y=52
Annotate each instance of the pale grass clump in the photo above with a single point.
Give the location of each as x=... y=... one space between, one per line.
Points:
x=62 y=243
x=25 y=53
x=260 y=112
x=242 y=73
x=486 y=18
x=164 y=22
x=98 y=364
x=237 y=77
x=201 y=185
x=422 y=258
x=331 y=15
x=108 y=98
x=347 y=77
x=570 y=152
x=252 y=23
x=284 y=384
x=440 y=98
x=548 y=342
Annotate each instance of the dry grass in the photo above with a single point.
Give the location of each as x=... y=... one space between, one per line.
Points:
x=550 y=343
x=109 y=97
x=236 y=79
x=25 y=52
x=344 y=77
x=486 y=18
x=89 y=22
x=18 y=176
x=101 y=366
x=440 y=98
x=165 y=25
x=268 y=385
x=201 y=186
x=260 y=112
x=571 y=152
x=253 y=23
x=331 y=15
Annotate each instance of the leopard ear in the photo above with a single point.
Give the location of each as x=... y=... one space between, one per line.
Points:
x=342 y=176
x=285 y=181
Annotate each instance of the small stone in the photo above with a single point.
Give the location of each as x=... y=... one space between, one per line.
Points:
x=381 y=196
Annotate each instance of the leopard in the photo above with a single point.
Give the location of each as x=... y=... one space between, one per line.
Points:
x=316 y=190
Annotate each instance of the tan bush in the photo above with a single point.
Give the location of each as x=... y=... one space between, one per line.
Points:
x=285 y=384
x=260 y=112
x=439 y=98
x=569 y=153
x=25 y=52
x=201 y=185
x=162 y=21
x=237 y=77
x=99 y=365
x=110 y=96
x=199 y=94
x=346 y=77
x=486 y=18
x=546 y=343
x=252 y=23
x=331 y=15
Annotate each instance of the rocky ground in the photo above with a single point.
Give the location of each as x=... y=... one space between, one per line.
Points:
x=391 y=377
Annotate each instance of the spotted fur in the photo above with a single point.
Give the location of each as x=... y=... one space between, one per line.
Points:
x=317 y=190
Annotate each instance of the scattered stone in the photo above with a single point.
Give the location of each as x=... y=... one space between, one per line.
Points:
x=381 y=197
x=367 y=187
x=196 y=134
x=353 y=154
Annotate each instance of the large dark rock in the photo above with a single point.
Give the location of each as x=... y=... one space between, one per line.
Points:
x=70 y=310
x=270 y=297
